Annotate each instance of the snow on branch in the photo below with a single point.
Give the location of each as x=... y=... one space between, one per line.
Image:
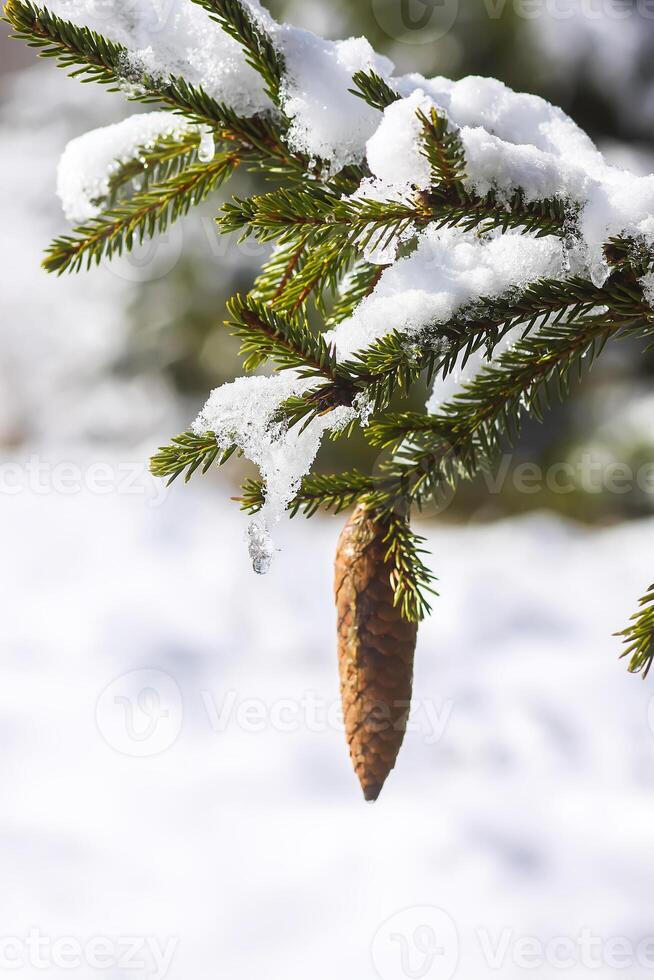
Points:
x=94 y=166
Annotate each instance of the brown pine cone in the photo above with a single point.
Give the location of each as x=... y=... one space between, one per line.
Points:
x=375 y=652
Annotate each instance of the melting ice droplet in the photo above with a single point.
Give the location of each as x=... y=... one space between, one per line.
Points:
x=207 y=147
x=260 y=547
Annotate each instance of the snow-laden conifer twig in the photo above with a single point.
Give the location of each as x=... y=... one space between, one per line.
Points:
x=454 y=230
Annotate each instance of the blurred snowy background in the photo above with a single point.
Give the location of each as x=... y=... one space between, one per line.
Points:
x=176 y=795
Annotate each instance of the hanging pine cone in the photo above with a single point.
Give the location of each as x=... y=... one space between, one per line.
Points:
x=375 y=652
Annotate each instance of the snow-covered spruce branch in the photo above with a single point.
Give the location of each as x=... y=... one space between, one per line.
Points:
x=393 y=362
x=432 y=452
x=145 y=214
x=396 y=362
x=87 y=52
x=450 y=230
x=487 y=413
x=285 y=215
x=468 y=431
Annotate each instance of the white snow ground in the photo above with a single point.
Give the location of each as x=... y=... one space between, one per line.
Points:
x=245 y=841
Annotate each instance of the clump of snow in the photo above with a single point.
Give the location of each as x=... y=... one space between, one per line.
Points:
x=448 y=269
x=494 y=164
x=393 y=151
x=398 y=166
x=612 y=201
x=516 y=117
x=90 y=161
x=243 y=413
x=176 y=37
x=327 y=120
x=516 y=141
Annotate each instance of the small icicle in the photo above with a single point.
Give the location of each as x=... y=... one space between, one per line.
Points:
x=207 y=147
x=260 y=546
x=599 y=269
x=566 y=263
